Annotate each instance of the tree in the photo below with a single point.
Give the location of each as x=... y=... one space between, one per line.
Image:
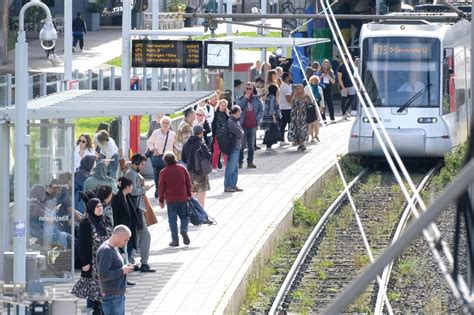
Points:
x=4 y=5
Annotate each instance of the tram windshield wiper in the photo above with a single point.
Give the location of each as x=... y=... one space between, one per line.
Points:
x=411 y=100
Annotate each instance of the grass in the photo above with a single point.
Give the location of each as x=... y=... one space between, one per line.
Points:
x=89 y=125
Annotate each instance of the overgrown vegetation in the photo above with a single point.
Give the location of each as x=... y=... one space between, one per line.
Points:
x=89 y=125
x=452 y=164
x=261 y=286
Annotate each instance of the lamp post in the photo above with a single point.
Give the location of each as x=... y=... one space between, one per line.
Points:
x=47 y=36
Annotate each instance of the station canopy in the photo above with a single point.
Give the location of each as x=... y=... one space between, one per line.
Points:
x=267 y=42
x=91 y=103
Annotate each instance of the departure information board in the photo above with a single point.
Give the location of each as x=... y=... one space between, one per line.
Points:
x=166 y=54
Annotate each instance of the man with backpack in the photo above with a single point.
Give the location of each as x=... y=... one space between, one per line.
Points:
x=197 y=157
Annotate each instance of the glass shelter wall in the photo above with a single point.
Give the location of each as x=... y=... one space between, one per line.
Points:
x=50 y=213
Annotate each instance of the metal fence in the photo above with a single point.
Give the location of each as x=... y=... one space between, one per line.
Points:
x=43 y=84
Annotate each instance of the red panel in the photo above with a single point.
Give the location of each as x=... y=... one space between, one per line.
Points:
x=242 y=67
x=134 y=134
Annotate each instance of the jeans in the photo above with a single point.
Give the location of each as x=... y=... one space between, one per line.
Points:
x=113 y=305
x=156 y=179
x=327 y=92
x=285 y=120
x=175 y=210
x=249 y=142
x=232 y=170
x=113 y=166
x=78 y=38
x=144 y=240
x=216 y=155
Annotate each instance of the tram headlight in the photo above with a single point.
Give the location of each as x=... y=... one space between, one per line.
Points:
x=427 y=120
x=366 y=120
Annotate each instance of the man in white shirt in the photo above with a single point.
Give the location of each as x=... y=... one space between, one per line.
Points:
x=413 y=85
x=285 y=103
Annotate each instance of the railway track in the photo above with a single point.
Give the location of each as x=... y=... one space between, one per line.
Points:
x=334 y=253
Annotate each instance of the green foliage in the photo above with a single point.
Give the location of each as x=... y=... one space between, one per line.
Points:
x=394 y=296
x=452 y=164
x=303 y=215
x=89 y=125
x=410 y=268
x=177 y=6
x=350 y=167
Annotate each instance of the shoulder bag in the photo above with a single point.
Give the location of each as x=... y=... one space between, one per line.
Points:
x=157 y=160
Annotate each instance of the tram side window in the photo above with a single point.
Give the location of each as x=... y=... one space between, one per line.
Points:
x=449 y=92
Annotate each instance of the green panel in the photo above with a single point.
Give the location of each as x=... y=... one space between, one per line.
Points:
x=322 y=51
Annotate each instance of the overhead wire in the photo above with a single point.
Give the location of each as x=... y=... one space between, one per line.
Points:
x=433 y=237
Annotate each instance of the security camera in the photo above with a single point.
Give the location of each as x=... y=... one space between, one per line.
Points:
x=255 y=10
x=48 y=35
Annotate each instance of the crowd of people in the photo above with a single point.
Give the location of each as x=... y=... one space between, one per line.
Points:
x=112 y=209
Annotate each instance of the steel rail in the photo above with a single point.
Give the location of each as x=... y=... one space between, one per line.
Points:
x=435 y=17
x=453 y=190
x=296 y=267
x=400 y=228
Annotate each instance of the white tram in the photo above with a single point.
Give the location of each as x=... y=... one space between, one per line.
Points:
x=417 y=75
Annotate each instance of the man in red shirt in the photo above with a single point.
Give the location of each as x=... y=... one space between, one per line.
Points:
x=175 y=187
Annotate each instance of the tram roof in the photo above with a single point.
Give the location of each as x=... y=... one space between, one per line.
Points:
x=266 y=42
x=92 y=103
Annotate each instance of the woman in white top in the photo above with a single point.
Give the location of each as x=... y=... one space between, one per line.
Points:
x=83 y=148
x=160 y=141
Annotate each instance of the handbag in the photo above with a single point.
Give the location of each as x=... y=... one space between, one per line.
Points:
x=150 y=216
x=157 y=160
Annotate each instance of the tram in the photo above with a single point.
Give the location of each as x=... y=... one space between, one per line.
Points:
x=417 y=75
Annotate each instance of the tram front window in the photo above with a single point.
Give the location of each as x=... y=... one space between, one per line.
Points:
x=402 y=72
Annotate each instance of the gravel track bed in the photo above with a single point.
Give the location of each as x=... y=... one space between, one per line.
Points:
x=341 y=255
x=424 y=289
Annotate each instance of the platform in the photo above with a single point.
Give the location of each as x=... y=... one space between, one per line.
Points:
x=206 y=276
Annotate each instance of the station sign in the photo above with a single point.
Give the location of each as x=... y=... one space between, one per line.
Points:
x=167 y=54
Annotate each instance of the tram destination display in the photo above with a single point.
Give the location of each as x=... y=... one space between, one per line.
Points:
x=166 y=54
x=401 y=50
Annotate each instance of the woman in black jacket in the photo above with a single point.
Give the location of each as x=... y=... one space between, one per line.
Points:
x=220 y=120
x=95 y=229
x=125 y=213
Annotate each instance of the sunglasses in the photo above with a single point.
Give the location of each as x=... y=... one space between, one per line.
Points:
x=83 y=141
x=249 y=88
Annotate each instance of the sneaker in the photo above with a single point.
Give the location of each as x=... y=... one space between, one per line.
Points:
x=130 y=284
x=251 y=165
x=238 y=189
x=136 y=268
x=146 y=268
x=174 y=243
x=214 y=170
x=229 y=190
x=333 y=122
x=257 y=148
x=186 y=239
x=270 y=150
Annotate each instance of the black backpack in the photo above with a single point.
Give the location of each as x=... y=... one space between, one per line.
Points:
x=225 y=140
x=202 y=165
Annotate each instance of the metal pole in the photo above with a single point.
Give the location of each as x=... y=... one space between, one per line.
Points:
x=446 y=17
x=189 y=80
x=470 y=279
x=229 y=11
x=263 y=51
x=43 y=84
x=155 y=7
x=67 y=40
x=112 y=79
x=9 y=89
x=4 y=193
x=125 y=79
x=452 y=191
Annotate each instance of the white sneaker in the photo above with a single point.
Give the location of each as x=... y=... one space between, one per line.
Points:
x=214 y=170
x=270 y=150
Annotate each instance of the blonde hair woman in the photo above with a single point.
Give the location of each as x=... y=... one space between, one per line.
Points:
x=327 y=79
